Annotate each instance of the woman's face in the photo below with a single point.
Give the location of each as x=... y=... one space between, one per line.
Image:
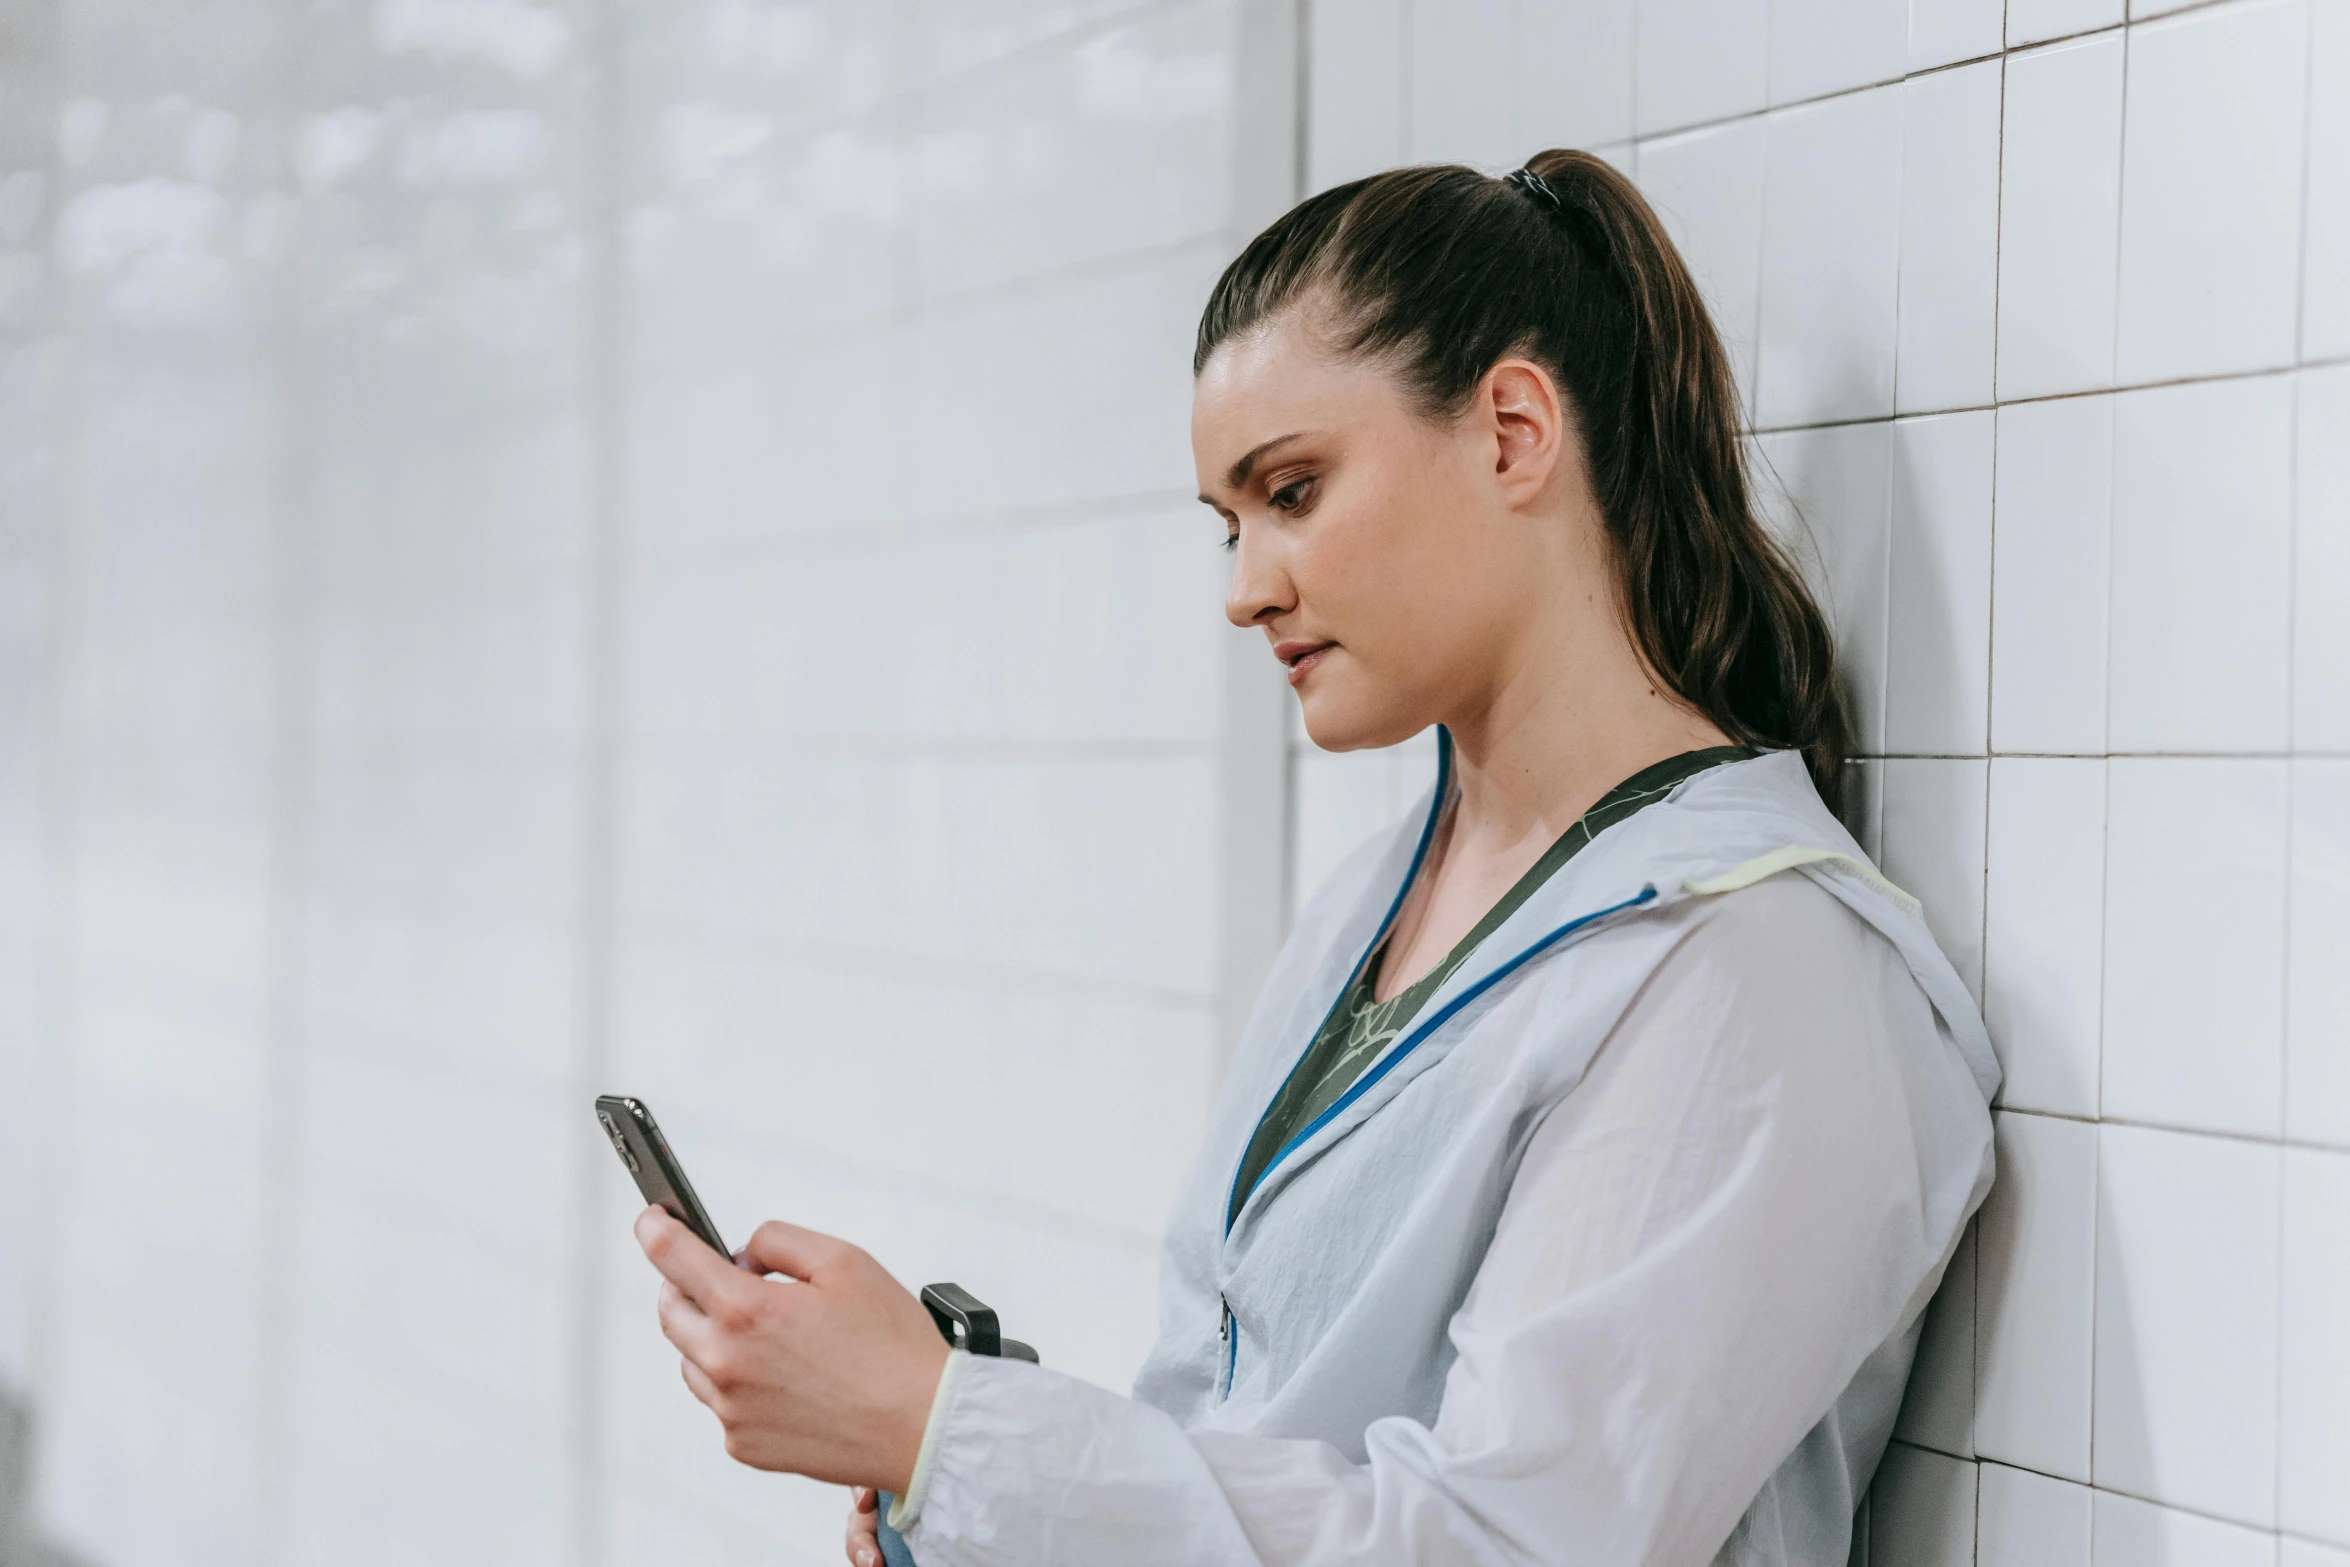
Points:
x=1387 y=557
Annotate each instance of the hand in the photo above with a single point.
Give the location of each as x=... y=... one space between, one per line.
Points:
x=864 y=1527
x=828 y=1371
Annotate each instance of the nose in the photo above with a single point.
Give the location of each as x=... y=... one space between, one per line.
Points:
x=1261 y=590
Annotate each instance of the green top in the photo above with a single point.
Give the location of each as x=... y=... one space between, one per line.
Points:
x=1361 y=1026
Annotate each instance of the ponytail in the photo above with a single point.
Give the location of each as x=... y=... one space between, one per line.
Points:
x=1445 y=272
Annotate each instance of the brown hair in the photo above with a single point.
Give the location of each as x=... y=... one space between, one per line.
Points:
x=1446 y=272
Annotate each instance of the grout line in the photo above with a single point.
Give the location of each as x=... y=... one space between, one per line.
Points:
x=2271 y=1531
x=2282 y=1141
x=2327 y=363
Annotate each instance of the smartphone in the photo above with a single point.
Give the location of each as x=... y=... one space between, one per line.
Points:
x=637 y=1138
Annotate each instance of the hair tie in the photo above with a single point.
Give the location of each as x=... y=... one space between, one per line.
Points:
x=1536 y=186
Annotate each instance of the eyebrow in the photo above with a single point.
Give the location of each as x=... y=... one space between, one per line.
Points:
x=1240 y=471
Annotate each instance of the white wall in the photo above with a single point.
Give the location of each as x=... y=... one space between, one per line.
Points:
x=552 y=547
x=2043 y=316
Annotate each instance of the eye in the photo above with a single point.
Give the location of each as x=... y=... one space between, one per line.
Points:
x=1293 y=497
x=1232 y=541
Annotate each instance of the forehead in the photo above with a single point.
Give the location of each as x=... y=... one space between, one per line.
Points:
x=1280 y=376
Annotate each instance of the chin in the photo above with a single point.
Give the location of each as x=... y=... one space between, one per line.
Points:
x=1335 y=723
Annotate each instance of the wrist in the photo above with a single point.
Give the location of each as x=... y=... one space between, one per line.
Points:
x=907 y=1422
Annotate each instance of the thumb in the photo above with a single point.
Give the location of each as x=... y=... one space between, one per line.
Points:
x=807 y=1255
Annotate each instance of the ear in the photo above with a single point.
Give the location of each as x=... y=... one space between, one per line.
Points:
x=1529 y=427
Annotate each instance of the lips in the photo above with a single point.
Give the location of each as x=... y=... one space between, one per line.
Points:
x=1301 y=656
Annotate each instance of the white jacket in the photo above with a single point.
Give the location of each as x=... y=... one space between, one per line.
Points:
x=1616 y=1256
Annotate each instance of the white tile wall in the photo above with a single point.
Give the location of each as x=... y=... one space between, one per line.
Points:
x=2051 y=576
x=2211 y=192
x=2313 y=1428
x=2317 y=1001
x=2031 y=1520
x=2059 y=217
x=2325 y=245
x=2041 y=358
x=877 y=414
x=1699 y=60
x=1938 y=593
x=1024 y=202
x=2194 y=963
x=1944 y=31
x=2201 y=638
x=1949 y=238
x=2129 y=1531
x=2187 y=1270
x=2321 y=563
x=2037 y=1290
x=1831 y=260
x=2043 y=915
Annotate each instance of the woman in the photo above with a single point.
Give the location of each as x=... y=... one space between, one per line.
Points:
x=1603 y=1128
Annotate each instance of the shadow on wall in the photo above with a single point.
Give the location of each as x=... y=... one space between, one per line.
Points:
x=19 y=1545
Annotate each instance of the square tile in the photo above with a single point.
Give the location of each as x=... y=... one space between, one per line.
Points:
x=2044 y=930
x=2314 y=1431
x=2037 y=21
x=2187 y=1258
x=2202 y=567
x=1949 y=239
x=2036 y=1296
x=1354 y=89
x=1938 y=604
x=1943 y=32
x=2325 y=257
x=995 y=159
x=1831 y=261
x=1922 y=1509
x=1938 y=1407
x=2211 y=192
x=1934 y=810
x=2050 y=576
x=2132 y=1533
x=2321 y=562
x=2308 y=1553
x=2194 y=970
x=2317 y=1001
x=1572 y=65
x=2030 y=1520
x=1707 y=188
x=1836 y=45
x=1699 y=60
x=2060 y=218
x=1825 y=493
x=1459 y=113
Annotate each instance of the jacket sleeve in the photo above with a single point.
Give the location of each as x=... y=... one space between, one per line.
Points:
x=1755 y=1186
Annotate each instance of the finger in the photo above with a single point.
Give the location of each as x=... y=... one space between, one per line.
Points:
x=699 y=1384
x=777 y=1247
x=867 y=1499
x=685 y=1262
x=864 y=1551
x=685 y=1324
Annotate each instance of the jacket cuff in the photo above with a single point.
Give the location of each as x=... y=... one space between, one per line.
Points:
x=908 y=1507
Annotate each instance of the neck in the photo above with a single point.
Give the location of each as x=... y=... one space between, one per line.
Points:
x=1574 y=713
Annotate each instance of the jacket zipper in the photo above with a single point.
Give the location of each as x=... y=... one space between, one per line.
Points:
x=1412 y=1041
x=1229 y=1331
